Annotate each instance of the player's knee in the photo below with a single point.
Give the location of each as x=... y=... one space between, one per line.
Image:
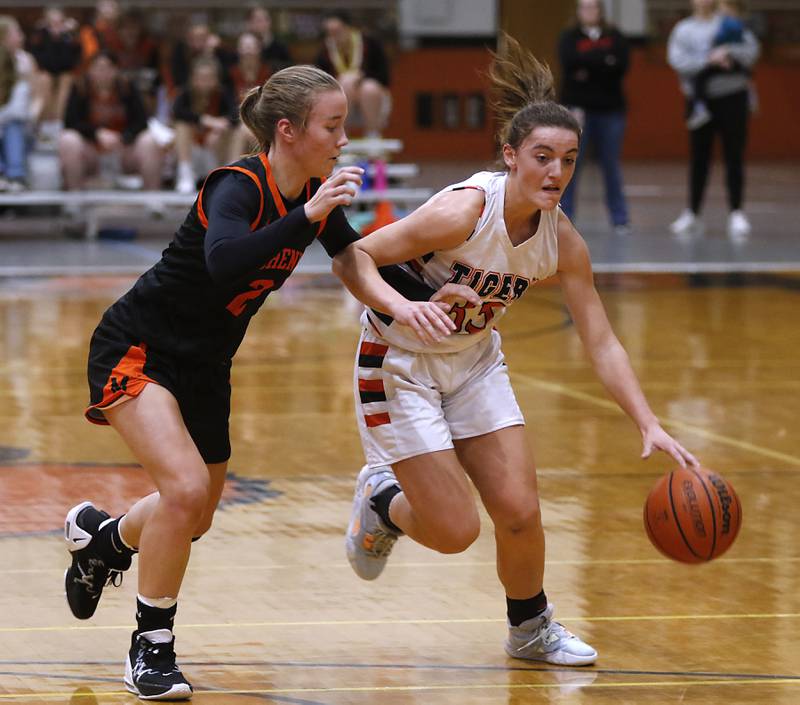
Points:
x=458 y=537
x=520 y=517
x=187 y=503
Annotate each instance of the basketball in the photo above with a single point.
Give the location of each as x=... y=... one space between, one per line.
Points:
x=692 y=515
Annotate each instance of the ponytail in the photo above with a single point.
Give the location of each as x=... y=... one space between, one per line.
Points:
x=289 y=94
x=523 y=96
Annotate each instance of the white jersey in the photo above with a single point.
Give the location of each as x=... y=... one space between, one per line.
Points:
x=488 y=262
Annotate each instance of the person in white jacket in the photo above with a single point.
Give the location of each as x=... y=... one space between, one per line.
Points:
x=690 y=51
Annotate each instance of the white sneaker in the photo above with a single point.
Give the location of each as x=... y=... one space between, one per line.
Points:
x=739 y=227
x=368 y=541
x=542 y=639
x=686 y=225
x=185 y=181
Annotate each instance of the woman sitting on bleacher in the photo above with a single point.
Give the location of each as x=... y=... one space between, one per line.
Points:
x=105 y=116
x=205 y=114
x=359 y=63
x=15 y=99
x=249 y=70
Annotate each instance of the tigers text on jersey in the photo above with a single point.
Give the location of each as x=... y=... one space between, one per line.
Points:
x=488 y=262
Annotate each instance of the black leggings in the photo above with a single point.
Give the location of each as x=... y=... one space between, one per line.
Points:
x=729 y=116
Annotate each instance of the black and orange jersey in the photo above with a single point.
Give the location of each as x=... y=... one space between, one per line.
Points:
x=240 y=241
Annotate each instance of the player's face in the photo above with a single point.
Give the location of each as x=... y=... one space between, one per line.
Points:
x=322 y=140
x=543 y=164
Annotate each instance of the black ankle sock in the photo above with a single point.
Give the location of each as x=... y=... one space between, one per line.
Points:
x=150 y=618
x=111 y=546
x=380 y=503
x=520 y=611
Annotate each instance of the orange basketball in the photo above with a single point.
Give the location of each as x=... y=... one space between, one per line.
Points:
x=692 y=515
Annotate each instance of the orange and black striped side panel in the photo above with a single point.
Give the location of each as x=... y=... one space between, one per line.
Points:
x=126 y=379
x=371 y=391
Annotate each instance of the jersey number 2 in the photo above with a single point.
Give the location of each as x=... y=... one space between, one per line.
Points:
x=258 y=287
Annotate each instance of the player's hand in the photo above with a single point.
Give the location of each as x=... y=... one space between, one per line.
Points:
x=451 y=294
x=428 y=321
x=656 y=438
x=338 y=190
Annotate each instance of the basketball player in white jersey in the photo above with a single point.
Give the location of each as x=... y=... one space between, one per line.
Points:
x=432 y=416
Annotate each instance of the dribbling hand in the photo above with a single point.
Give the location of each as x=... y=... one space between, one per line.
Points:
x=656 y=438
x=338 y=190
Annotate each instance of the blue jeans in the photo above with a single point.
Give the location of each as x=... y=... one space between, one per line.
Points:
x=605 y=132
x=14 y=149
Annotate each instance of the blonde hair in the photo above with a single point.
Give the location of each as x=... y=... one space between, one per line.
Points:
x=523 y=97
x=288 y=93
x=6 y=23
x=8 y=73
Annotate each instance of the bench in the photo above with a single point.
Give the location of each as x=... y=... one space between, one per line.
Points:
x=120 y=208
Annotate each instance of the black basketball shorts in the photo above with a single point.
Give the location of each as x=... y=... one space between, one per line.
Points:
x=120 y=368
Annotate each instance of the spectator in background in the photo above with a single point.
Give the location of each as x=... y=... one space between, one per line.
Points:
x=13 y=39
x=249 y=70
x=138 y=56
x=198 y=43
x=102 y=34
x=274 y=52
x=359 y=63
x=594 y=60
x=15 y=98
x=731 y=31
x=691 y=51
x=105 y=115
x=55 y=46
x=205 y=114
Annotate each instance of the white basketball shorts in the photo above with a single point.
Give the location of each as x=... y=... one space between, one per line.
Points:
x=411 y=403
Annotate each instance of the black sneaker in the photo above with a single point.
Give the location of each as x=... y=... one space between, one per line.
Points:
x=90 y=572
x=151 y=672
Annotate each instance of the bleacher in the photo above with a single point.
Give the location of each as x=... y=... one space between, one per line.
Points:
x=93 y=212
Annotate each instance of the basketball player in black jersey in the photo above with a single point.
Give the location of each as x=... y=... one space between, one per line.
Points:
x=160 y=359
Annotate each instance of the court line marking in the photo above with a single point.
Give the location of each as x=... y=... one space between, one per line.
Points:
x=438 y=565
x=566 y=391
x=417 y=688
x=530 y=667
x=420 y=621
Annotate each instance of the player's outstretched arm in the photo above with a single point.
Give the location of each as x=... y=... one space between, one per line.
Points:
x=443 y=222
x=606 y=353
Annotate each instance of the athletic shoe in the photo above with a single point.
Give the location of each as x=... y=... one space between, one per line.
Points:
x=185 y=180
x=738 y=226
x=90 y=572
x=151 y=671
x=369 y=541
x=686 y=225
x=542 y=639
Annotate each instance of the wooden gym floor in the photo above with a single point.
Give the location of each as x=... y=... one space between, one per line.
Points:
x=270 y=611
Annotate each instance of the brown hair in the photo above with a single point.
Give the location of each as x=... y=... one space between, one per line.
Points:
x=289 y=94
x=523 y=96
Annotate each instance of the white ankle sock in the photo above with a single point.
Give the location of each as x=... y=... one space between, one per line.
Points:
x=162 y=603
